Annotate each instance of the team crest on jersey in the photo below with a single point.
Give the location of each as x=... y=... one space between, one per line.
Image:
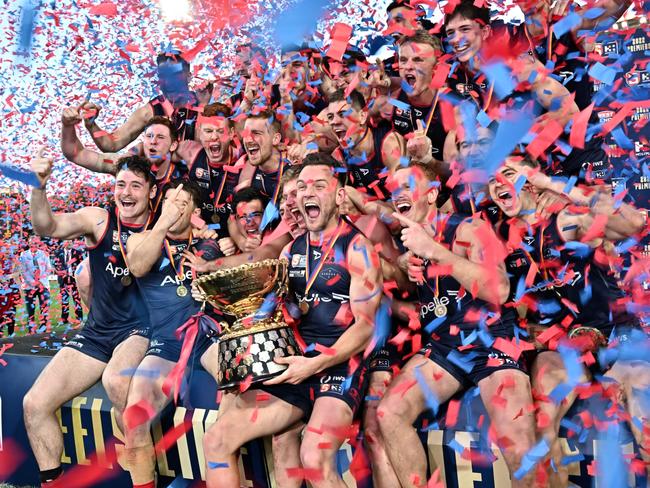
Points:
x=200 y=172
x=299 y=261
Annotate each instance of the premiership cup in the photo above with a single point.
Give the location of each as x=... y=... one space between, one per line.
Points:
x=257 y=337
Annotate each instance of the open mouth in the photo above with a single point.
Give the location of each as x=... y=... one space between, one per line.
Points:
x=410 y=80
x=403 y=207
x=127 y=203
x=339 y=132
x=312 y=210
x=215 y=150
x=505 y=199
x=461 y=49
x=253 y=150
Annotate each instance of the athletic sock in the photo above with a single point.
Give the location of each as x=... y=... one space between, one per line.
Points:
x=50 y=475
x=151 y=484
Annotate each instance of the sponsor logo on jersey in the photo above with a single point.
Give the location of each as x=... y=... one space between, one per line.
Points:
x=174 y=280
x=299 y=261
x=116 y=271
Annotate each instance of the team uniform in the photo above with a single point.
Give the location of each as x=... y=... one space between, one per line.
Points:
x=267 y=182
x=368 y=172
x=217 y=183
x=445 y=303
x=404 y=122
x=325 y=317
x=182 y=117
x=167 y=296
x=117 y=310
x=570 y=289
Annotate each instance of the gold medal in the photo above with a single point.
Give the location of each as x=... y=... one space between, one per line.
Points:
x=215 y=219
x=126 y=280
x=440 y=310
x=181 y=291
x=304 y=307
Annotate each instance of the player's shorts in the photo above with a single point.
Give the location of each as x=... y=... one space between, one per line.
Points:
x=168 y=347
x=469 y=366
x=386 y=358
x=101 y=344
x=333 y=382
x=626 y=343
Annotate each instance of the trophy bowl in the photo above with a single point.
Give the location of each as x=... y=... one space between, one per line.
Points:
x=250 y=294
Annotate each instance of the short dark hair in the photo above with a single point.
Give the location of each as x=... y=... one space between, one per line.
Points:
x=354 y=98
x=189 y=186
x=218 y=110
x=138 y=165
x=173 y=56
x=425 y=169
x=397 y=4
x=324 y=159
x=268 y=115
x=290 y=173
x=467 y=10
x=421 y=37
x=160 y=120
x=249 y=194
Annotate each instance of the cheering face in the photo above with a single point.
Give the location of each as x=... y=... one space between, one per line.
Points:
x=319 y=196
x=416 y=65
x=466 y=37
x=402 y=20
x=249 y=217
x=413 y=194
x=259 y=140
x=157 y=143
x=296 y=66
x=291 y=208
x=132 y=193
x=173 y=80
x=185 y=204
x=502 y=189
x=215 y=137
x=347 y=123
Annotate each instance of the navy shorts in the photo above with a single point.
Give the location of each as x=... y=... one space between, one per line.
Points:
x=333 y=382
x=469 y=366
x=169 y=347
x=101 y=344
x=386 y=358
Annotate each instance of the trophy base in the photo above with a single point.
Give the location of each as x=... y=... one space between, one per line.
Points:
x=252 y=355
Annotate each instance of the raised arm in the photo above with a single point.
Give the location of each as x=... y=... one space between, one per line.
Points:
x=74 y=150
x=88 y=222
x=123 y=135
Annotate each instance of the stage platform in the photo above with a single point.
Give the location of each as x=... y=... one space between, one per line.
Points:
x=89 y=429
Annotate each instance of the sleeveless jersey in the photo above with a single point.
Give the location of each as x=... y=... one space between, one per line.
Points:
x=159 y=286
x=405 y=122
x=267 y=183
x=329 y=297
x=183 y=118
x=216 y=193
x=369 y=171
x=114 y=306
x=444 y=302
x=568 y=285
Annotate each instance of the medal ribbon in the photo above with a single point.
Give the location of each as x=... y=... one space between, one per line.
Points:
x=166 y=179
x=179 y=274
x=119 y=233
x=431 y=112
x=311 y=278
x=277 y=187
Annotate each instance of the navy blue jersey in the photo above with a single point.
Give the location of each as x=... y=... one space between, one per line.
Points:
x=405 y=122
x=174 y=172
x=216 y=193
x=569 y=286
x=267 y=182
x=183 y=118
x=444 y=302
x=113 y=305
x=369 y=171
x=329 y=297
x=159 y=287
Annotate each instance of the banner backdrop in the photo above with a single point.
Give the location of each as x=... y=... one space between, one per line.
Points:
x=89 y=427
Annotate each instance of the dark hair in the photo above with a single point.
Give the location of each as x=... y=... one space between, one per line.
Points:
x=138 y=165
x=397 y=4
x=467 y=10
x=290 y=173
x=160 y=120
x=354 y=98
x=249 y=194
x=323 y=159
x=189 y=186
x=351 y=58
x=269 y=116
x=218 y=110
x=421 y=37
